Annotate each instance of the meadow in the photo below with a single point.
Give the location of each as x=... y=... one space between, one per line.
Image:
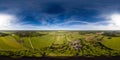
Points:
x=59 y=43
x=113 y=43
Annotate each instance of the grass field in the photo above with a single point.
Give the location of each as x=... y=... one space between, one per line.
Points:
x=9 y=42
x=59 y=43
x=59 y=37
x=113 y=43
x=39 y=42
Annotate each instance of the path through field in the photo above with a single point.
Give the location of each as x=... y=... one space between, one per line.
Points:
x=58 y=38
x=67 y=37
x=61 y=38
x=31 y=44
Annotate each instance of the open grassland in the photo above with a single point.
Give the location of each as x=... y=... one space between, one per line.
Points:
x=9 y=42
x=59 y=43
x=40 y=42
x=113 y=43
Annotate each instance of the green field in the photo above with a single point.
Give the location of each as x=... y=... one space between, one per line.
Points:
x=9 y=42
x=59 y=43
x=113 y=43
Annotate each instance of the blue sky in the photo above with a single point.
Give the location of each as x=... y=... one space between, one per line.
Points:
x=59 y=14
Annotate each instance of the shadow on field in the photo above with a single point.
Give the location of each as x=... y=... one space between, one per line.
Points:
x=62 y=58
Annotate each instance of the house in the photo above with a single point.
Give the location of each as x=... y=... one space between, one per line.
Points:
x=100 y=33
x=76 y=44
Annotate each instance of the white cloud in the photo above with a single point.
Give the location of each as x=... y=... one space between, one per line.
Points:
x=6 y=21
x=110 y=24
x=11 y=22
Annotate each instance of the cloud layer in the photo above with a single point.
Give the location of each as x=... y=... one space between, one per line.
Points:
x=59 y=15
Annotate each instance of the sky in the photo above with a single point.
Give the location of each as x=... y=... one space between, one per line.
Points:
x=59 y=14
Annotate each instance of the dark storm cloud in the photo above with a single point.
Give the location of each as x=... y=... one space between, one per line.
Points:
x=50 y=12
x=53 y=8
x=38 y=4
x=60 y=5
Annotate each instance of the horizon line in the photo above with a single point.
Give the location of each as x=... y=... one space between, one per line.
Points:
x=59 y=30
